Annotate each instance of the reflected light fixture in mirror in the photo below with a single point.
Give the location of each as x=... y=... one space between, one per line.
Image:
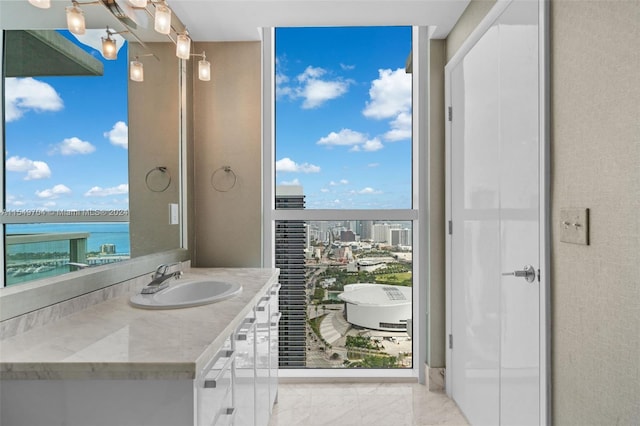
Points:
x=75 y=19
x=162 y=21
x=183 y=46
x=109 y=50
x=42 y=4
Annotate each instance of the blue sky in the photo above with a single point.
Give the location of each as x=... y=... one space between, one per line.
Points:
x=66 y=138
x=343 y=115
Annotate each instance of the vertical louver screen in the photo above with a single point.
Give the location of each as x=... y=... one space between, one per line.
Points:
x=290 y=239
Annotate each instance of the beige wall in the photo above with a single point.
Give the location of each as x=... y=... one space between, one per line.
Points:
x=227 y=132
x=153 y=142
x=596 y=164
x=473 y=14
x=436 y=348
x=595 y=155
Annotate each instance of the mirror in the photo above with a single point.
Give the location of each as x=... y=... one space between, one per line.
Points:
x=51 y=186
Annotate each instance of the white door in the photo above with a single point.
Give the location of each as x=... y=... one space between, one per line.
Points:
x=497 y=362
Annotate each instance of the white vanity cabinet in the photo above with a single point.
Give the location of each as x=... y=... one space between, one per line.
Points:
x=245 y=371
x=214 y=389
x=274 y=343
x=240 y=384
x=204 y=366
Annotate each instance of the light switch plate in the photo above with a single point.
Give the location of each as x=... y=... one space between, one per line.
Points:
x=574 y=226
x=174 y=218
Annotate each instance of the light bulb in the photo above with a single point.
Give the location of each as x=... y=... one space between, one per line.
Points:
x=162 y=22
x=183 y=46
x=136 y=71
x=109 y=50
x=42 y=4
x=204 y=70
x=75 y=20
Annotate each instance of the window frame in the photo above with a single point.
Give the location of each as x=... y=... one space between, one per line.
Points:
x=417 y=214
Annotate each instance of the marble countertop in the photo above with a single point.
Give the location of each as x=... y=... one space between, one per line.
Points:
x=114 y=340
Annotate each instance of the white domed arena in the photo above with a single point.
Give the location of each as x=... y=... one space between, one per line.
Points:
x=377 y=306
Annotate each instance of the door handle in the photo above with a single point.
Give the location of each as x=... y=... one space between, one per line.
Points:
x=528 y=273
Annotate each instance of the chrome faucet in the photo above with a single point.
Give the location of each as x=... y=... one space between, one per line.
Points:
x=160 y=277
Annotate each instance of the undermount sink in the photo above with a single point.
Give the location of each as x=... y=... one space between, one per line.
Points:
x=187 y=293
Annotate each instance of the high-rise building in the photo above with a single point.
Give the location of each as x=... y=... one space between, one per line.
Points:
x=290 y=243
x=107 y=249
x=401 y=237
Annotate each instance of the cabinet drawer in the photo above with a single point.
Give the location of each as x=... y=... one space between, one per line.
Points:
x=214 y=388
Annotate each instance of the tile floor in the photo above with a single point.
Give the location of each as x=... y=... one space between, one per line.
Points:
x=370 y=404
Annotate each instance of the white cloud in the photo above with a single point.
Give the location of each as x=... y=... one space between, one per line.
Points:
x=343 y=137
x=291 y=182
x=344 y=181
x=28 y=94
x=369 y=146
x=54 y=192
x=390 y=98
x=347 y=67
x=317 y=92
x=400 y=128
x=14 y=201
x=312 y=85
x=369 y=190
x=373 y=165
x=73 y=146
x=98 y=191
x=34 y=169
x=288 y=165
x=324 y=190
x=119 y=135
x=311 y=73
x=389 y=95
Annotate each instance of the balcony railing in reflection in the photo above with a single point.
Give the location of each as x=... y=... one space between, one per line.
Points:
x=40 y=255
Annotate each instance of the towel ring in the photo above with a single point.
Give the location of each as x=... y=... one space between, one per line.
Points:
x=218 y=183
x=158 y=182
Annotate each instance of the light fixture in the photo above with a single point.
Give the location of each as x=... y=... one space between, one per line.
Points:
x=109 y=50
x=204 y=69
x=75 y=19
x=183 y=46
x=42 y=4
x=136 y=70
x=162 y=21
x=138 y=3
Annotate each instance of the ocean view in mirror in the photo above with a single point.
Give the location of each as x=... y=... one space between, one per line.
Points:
x=40 y=250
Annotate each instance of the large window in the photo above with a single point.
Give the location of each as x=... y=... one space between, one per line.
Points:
x=65 y=198
x=343 y=218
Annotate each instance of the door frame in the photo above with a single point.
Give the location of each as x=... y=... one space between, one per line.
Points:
x=544 y=201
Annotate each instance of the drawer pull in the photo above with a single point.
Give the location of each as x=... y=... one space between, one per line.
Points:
x=277 y=316
x=275 y=288
x=262 y=304
x=212 y=383
x=225 y=416
x=245 y=329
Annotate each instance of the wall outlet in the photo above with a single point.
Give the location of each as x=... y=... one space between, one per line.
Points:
x=174 y=216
